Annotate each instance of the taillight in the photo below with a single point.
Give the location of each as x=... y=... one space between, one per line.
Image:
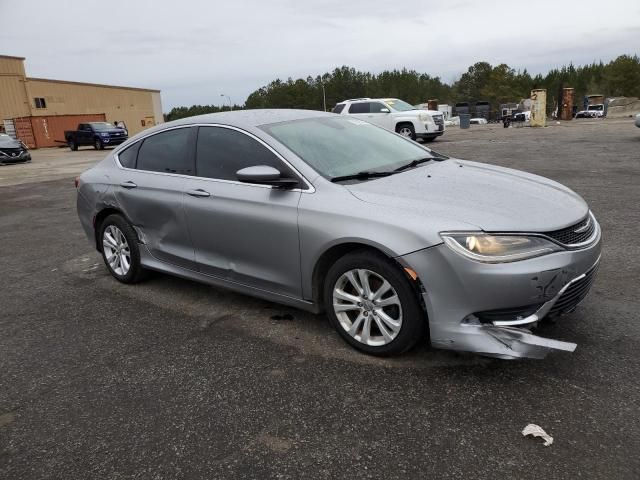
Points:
x=77 y=182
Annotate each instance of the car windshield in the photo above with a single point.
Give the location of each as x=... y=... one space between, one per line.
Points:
x=596 y=107
x=336 y=146
x=102 y=126
x=398 y=105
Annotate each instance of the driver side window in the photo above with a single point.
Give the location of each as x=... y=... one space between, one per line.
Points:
x=376 y=107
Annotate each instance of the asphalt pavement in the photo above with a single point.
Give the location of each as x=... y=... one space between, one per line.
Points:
x=170 y=379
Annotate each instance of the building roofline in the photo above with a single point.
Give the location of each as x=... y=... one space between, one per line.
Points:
x=12 y=58
x=35 y=79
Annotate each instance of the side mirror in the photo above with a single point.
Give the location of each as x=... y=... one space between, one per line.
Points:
x=265 y=175
x=385 y=110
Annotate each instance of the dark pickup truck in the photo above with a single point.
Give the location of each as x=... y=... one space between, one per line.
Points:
x=98 y=134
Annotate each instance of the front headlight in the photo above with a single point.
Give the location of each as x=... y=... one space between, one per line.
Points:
x=425 y=117
x=487 y=248
x=104 y=134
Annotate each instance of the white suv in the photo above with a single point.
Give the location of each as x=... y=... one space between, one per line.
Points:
x=395 y=115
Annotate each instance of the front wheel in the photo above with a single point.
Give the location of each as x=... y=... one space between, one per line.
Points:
x=120 y=250
x=98 y=145
x=371 y=303
x=406 y=130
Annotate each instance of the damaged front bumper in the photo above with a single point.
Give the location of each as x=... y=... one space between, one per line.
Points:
x=489 y=308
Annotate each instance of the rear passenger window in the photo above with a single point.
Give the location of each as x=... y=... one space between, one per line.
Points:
x=128 y=156
x=359 y=108
x=167 y=152
x=338 y=108
x=221 y=152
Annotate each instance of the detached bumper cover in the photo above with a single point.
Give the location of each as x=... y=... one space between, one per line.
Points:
x=456 y=288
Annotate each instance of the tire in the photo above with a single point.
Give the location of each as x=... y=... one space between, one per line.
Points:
x=406 y=130
x=98 y=145
x=402 y=317
x=117 y=235
x=73 y=146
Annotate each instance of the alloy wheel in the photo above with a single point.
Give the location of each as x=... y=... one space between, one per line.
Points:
x=116 y=250
x=405 y=132
x=367 y=307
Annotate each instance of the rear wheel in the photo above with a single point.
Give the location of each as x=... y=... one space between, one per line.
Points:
x=406 y=130
x=73 y=145
x=372 y=305
x=120 y=250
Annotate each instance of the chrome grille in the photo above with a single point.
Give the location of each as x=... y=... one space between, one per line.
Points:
x=11 y=152
x=573 y=295
x=578 y=233
x=437 y=119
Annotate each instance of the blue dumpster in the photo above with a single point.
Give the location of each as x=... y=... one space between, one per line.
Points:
x=465 y=120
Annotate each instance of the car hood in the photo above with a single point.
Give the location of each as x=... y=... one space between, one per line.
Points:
x=10 y=143
x=494 y=199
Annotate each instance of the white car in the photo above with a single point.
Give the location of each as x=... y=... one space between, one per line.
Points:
x=638 y=120
x=478 y=121
x=592 y=111
x=395 y=115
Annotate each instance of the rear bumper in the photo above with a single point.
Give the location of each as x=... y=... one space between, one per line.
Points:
x=458 y=289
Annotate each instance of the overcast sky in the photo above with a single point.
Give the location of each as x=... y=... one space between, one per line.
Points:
x=196 y=50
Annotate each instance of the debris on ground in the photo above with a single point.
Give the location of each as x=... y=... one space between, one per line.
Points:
x=537 y=431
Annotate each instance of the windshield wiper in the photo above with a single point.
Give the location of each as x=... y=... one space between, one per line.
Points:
x=361 y=176
x=413 y=163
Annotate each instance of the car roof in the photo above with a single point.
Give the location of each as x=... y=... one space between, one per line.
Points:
x=250 y=118
x=367 y=99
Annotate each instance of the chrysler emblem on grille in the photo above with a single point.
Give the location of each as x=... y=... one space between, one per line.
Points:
x=584 y=227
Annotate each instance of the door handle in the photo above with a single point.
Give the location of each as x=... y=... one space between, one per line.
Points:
x=198 y=193
x=128 y=184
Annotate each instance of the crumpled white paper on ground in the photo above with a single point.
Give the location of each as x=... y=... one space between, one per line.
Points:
x=537 y=431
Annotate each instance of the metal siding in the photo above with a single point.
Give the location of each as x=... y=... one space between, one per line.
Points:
x=566 y=112
x=12 y=66
x=13 y=98
x=157 y=107
x=48 y=131
x=24 y=131
x=121 y=104
x=538 y=108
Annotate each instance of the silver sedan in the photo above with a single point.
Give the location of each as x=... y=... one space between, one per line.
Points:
x=395 y=242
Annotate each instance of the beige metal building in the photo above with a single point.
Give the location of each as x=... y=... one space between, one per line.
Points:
x=37 y=110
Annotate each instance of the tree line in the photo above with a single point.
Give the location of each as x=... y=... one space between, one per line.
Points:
x=482 y=81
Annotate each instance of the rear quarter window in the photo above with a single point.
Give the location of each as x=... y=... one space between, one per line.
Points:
x=128 y=156
x=338 y=108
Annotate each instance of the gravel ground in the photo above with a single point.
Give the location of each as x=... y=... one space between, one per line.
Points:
x=172 y=379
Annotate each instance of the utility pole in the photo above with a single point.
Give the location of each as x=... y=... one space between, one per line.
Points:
x=324 y=97
x=228 y=98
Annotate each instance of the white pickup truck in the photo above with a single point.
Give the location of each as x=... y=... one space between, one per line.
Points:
x=592 y=111
x=395 y=115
